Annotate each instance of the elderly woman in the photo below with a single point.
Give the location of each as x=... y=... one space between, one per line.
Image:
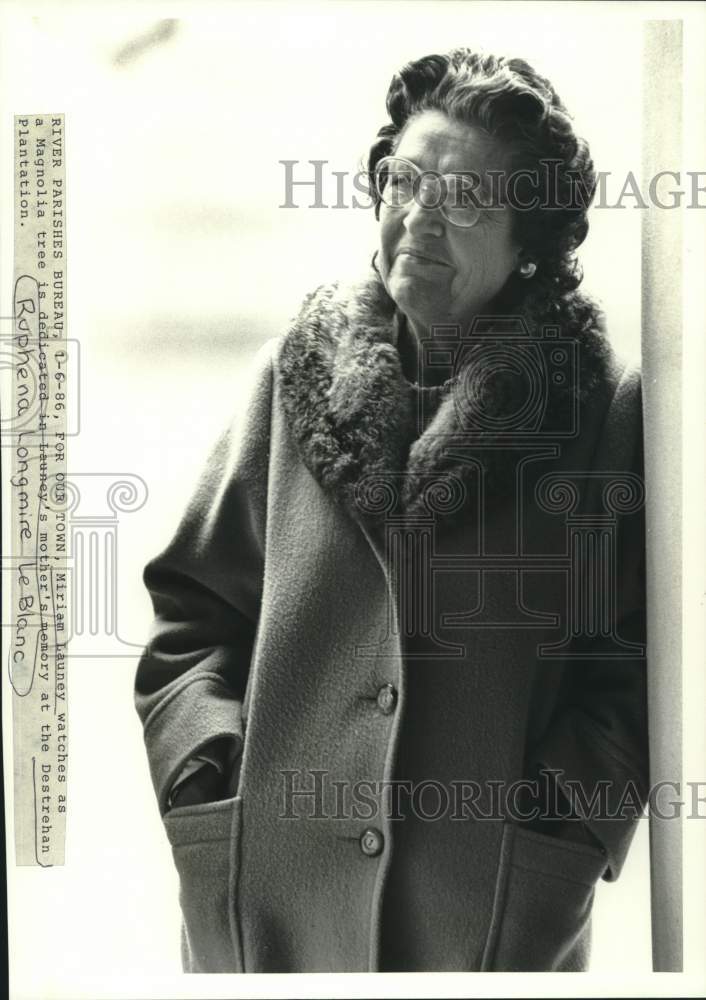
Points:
x=394 y=694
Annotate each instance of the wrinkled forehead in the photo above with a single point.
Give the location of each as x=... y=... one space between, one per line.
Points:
x=433 y=141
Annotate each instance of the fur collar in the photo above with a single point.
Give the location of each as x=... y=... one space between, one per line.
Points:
x=382 y=444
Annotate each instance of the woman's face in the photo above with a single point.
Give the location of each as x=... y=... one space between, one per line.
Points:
x=434 y=271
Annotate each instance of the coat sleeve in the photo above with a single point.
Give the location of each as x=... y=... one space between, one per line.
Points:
x=205 y=588
x=597 y=741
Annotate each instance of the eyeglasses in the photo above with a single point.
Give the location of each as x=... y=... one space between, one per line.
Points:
x=399 y=182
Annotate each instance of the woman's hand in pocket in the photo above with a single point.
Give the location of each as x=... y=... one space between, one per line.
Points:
x=209 y=776
x=203 y=784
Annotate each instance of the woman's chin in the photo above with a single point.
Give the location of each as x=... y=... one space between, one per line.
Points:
x=413 y=299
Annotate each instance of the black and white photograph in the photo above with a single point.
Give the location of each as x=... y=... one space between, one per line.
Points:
x=353 y=485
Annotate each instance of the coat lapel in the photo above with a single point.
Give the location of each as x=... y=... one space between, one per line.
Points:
x=381 y=444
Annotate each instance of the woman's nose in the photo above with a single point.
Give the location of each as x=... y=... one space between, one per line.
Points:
x=420 y=218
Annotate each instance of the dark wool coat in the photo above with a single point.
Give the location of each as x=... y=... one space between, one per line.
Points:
x=377 y=581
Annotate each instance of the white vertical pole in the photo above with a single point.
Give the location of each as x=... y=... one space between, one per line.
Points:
x=662 y=383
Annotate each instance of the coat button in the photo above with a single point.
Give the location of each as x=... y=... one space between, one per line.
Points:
x=371 y=842
x=387 y=699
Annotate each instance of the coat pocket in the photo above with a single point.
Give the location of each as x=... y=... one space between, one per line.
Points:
x=205 y=841
x=544 y=895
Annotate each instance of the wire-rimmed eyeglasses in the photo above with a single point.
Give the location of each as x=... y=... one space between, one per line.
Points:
x=399 y=182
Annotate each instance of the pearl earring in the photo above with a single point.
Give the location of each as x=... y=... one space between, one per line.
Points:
x=528 y=269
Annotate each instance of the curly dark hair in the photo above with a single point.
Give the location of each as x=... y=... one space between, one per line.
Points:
x=512 y=103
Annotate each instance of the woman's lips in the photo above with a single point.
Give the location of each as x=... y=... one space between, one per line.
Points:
x=421 y=257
